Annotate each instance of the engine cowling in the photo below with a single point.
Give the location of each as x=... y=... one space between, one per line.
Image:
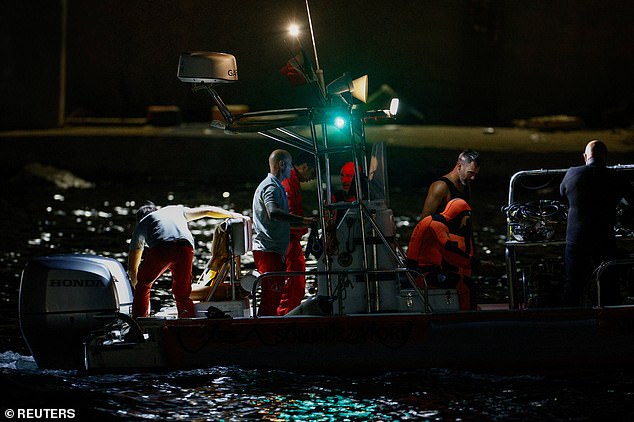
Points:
x=65 y=297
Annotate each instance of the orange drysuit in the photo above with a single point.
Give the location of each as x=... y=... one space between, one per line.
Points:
x=442 y=248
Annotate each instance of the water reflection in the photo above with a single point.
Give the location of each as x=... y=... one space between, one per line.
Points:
x=230 y=393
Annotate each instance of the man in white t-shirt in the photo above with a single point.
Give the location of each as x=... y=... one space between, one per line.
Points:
x=162 y=238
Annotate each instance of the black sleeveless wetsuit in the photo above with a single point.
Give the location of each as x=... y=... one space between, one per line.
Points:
x=454 y=192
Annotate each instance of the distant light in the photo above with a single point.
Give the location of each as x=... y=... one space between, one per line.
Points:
x=293 y=30
x=226 y=194
x=340 y=122
x=394 y=106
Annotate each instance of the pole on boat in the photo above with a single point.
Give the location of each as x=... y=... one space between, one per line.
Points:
x=318 y=71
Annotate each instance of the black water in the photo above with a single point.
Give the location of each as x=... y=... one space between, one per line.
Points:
x=41 y=219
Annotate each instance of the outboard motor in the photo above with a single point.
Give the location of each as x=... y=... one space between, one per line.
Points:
x=65 y=297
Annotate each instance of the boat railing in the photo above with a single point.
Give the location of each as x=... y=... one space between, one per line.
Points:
x=411 y=273
x=603 y=267
x=544 y=172
x=552 y=177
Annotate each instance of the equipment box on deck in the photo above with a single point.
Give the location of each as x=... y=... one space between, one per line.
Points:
x=233 y=308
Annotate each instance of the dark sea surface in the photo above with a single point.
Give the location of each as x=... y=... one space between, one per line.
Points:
x=40 y=218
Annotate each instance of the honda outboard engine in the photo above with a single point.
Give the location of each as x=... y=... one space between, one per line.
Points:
x=65 y=297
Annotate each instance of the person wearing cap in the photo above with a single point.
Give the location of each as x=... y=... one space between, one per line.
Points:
x=162 y=241
x=348 y=191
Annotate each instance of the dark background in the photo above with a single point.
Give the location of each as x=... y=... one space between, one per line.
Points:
x=451 y=61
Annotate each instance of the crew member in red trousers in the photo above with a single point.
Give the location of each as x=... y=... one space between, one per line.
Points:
x=162 y=241
x=271 y=226
x=295 y=286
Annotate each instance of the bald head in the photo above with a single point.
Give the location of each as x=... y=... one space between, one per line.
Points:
x=595 y=151
x=278 y=155
x=280 y=163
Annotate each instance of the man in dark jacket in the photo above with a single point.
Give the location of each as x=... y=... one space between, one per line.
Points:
x=593 y=192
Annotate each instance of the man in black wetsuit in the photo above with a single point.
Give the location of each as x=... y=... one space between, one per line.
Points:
x=593 y=192
x=455 y=184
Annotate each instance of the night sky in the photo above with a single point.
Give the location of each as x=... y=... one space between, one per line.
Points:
x=454 y=61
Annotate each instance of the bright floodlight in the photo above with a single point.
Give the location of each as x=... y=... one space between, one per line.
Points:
x=394 y=106
x=339 y=122
x=293 y=30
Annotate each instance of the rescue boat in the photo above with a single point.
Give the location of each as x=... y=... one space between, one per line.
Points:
x=368 y=314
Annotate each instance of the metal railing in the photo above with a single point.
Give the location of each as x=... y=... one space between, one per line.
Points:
x=423 y=294
x=600 y=271
x=511 y=245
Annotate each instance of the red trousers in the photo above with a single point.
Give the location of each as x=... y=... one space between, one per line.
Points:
x=271 y=286
x=178 y=259
x=295 y=286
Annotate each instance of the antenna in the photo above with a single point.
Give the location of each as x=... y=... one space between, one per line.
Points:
x=318 y=71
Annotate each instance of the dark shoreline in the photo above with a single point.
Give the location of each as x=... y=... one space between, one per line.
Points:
x=416 y=154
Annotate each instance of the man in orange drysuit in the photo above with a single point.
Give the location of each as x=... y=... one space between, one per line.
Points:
x=295 y=286
x=442 y=248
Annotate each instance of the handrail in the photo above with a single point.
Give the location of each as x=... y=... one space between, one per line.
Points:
x=540 y=172
x=423 y=295
x=510 y=244
x=545 y=172
x=604 y=266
